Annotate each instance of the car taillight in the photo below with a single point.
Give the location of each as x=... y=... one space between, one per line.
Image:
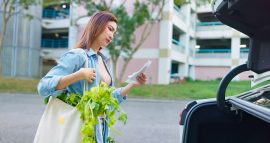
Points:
x=181 y=118
x=184 y=112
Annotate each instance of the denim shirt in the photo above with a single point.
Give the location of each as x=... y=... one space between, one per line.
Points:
x=69 y=63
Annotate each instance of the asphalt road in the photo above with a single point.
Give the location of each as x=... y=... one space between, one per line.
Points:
x=149 y=121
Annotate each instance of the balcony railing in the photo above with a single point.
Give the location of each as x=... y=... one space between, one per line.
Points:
x=244 y=50
x=54 y=43
x=55 y=14
x=213 y=53
x=213 y=50
x=214 y=23
x=179 y=12
x=178 y=46
x=219 y=53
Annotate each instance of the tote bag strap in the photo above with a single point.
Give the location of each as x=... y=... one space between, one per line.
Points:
x=85 y=88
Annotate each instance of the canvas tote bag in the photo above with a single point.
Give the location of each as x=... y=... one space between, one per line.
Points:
x=60 y=122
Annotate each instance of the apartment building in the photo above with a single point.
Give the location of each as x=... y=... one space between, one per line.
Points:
x=219 y=47
x=189 y=42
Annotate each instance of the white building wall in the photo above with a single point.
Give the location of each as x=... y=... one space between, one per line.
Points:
x=73 y=29
x=235 y=49
x=165 y=44
x=187 y=40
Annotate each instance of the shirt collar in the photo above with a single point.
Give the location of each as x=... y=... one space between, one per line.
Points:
x=91 y=52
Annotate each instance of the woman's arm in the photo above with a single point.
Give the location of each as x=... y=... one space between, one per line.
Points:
x=121 y=93
x=141 y=79
x=127 y=89
x=88 y=74
x=63 y=74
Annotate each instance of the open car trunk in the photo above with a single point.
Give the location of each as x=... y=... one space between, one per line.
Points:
x=207 y=124
x=236 y=119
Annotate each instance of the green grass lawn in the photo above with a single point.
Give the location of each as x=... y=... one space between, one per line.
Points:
x=17 y=85
x=190 y=90
x=187 y=90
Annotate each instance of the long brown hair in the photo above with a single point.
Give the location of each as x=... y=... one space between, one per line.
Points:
x=94 y=27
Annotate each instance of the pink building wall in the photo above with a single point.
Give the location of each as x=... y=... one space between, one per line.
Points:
x=129 y=6
x=210 y=73
x=152 y=40
x=245 y=75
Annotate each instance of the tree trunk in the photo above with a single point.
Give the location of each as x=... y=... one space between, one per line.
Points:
x=114 y=64
x=146 y=32
x=124 y=67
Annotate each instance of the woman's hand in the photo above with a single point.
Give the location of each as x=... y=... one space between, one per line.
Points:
x=88 y=74
x=140 y=80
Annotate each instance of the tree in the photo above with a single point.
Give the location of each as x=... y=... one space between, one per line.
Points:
x=146 y=13
x=199 y=2
x=181 y=2
x=8 y=8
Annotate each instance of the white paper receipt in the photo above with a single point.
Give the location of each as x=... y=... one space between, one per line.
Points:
x=132 y=77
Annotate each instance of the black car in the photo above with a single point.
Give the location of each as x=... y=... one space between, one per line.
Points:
x=243 y=118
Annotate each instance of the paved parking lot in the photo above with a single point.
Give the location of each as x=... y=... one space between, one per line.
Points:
x=149 y=121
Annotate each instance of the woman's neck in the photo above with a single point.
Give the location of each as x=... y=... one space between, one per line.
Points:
x=95 y=47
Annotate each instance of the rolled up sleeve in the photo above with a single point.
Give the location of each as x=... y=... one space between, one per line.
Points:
x=70 y=62
x=117 y=94
x=47 y=86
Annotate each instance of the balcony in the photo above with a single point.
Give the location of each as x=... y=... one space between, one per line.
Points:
x=219 y=53
x=213 y=30
x=178 y=46
x=179 y=12
x=205 y=8
x=214 y=23
x=213 y=53
x=55 y=14
x=54 y=43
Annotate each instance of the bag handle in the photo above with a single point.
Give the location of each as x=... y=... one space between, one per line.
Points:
x=85 y=88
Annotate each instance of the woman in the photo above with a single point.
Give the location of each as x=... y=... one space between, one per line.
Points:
x=69 y=75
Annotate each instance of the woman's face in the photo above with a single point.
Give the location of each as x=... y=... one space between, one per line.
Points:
x=106 y=37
